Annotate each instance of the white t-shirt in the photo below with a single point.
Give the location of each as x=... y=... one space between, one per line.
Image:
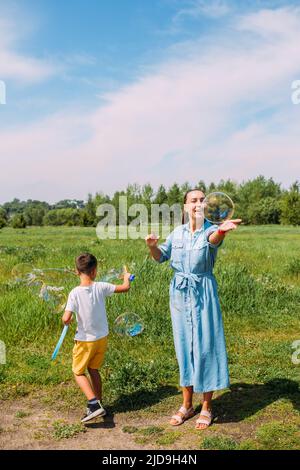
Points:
x=88 y=303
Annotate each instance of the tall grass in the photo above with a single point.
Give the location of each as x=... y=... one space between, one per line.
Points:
x=259 y=288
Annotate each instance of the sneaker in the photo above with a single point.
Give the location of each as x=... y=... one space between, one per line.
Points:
x=93 y=411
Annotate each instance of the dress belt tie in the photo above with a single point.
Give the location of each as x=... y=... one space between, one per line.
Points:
x=183 y=280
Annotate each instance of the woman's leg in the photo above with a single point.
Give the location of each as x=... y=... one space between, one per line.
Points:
x=187 y=393
x=206 y=406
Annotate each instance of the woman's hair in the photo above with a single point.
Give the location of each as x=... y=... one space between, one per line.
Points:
x=86 y=263
x=185 y=198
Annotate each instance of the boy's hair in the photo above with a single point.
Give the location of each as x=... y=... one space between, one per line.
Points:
x=86 y=263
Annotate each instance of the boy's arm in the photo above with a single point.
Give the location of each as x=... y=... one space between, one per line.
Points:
x=125 y=286
x=67 y=317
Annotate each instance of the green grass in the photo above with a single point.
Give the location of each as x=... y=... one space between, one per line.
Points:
x=218 y=443
x=168 y=438
x=151 y=430
x=66 y=431
x=129 y=429
x=259 y=287
x=22 y=414
x=279 y=435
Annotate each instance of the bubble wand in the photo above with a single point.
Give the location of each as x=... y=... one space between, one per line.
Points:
x=60 y=342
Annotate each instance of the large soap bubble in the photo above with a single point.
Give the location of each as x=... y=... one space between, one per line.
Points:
x=35 y=285
x=55 y=297
x=113 y=275
x=55 y=276
x=128 y=324
x=47 y=283
x=218 y=207
x=23 y=272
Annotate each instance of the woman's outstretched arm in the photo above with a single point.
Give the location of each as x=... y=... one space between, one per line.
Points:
x=219 y=235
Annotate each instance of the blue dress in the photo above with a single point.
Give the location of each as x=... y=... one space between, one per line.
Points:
x=195 y=310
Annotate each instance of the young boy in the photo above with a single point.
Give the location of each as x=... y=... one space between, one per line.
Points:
x=87 y=301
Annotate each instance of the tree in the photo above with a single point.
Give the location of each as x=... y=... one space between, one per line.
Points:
x=161 y=196
x=14 y=207
x=290 y=205
x=88 y=214
x=174 y=195
x=211 y=188
x=34 y=215
x=18 y=221
x=202 y=186
x=252 y=192
x=147 y=197
x=57 y=217
x=185 y=187
x=3 y=222
x=265 y=211
x=229 y=187
x=3 y=218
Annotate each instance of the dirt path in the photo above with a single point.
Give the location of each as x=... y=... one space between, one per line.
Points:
x=29 y=423
x=26 y=424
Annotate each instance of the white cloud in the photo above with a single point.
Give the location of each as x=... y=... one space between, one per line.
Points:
x=280 y=23
x=223 y=111
x=15 y=65
x=198 y=8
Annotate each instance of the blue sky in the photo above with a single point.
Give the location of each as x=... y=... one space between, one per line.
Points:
x=158 y=91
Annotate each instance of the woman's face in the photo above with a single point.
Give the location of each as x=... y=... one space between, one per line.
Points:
x=194 y=205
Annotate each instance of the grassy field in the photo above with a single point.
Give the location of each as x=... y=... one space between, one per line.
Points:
x=258 y=273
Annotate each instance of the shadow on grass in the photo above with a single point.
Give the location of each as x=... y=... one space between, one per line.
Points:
x=244 y=400
x=142 y=399
x=106 y=423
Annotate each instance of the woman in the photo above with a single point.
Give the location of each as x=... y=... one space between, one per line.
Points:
x=195 y=310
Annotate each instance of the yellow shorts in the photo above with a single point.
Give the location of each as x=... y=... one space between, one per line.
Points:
x=88 y=354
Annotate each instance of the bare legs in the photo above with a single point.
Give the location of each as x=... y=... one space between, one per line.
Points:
x=206 y=406
x=96 y=383
x=91 y=388
x=187 y=393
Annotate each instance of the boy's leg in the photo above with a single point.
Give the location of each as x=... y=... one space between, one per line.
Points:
x=96 y=382
x=85 y=386
x=95 y=363
x=81 y=355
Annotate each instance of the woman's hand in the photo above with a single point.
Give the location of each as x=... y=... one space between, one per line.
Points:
x=229 y=225
x=151 y=240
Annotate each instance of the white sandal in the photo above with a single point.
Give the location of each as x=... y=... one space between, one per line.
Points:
x=200 y=420
x=186 y=415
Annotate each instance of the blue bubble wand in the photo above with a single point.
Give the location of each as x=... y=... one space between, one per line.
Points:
x=60 y=342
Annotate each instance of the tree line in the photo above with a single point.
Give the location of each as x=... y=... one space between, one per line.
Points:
x=257 y=201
